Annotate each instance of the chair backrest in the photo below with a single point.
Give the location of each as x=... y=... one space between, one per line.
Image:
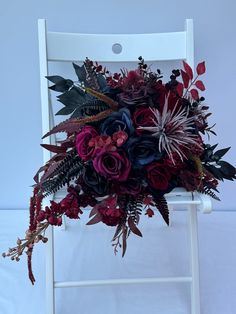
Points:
x=54 y=46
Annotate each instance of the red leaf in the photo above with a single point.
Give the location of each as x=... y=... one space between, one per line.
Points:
x=133 y=227
x=188 y=70
x=185 y=78
x=124 y=242
x=53 y=166
x=54 y=148
x=201 y=68
x=93 y=211
x=199 y=84
x=180 y=89
x=36 y=177
x=95 y=219
x=194 y=94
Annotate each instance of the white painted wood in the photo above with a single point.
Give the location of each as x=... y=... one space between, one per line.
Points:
x=112 y=282
x=193 y=230
x=189 y=43
x=46 y=116
x=98 y=47
x=153 y=47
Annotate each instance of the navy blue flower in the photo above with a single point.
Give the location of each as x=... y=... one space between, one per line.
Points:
x=118 y=121
x=143 y=150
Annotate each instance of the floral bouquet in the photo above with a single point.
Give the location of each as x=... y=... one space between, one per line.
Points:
x=130 y=139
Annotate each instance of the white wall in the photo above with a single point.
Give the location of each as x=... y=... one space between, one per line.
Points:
x=20 y=122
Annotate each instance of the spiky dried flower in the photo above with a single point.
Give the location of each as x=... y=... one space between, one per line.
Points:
x=174 y=129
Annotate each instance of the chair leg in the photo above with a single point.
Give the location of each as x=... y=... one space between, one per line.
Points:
x=195 y=288
x=50 y=300
x=171 y=209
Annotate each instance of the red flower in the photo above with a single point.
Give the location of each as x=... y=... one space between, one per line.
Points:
x=70 y=205
x=143 y=117
x=149 y=212
x=133 y=79
x=110 y=213
x=85 y=151
x=158 y=176
x=112 y=165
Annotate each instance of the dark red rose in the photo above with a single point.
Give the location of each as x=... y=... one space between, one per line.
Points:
x=143 y=117
x=85 y=151
x=112 y=165
x=132 y=186
x=158 y=176
x=111 y=216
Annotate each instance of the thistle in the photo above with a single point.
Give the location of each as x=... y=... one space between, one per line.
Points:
x=174 y=129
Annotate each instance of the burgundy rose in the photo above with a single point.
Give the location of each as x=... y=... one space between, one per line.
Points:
x=112 y=165
x=111 y=216
x=158 y=176
x=85 y=151
x=132 y=186
x=143 y=117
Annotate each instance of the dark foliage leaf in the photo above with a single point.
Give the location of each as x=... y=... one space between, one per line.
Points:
x=72 y=97
x=68 y=169
x=73 y=125
x=215 y=171
x=133 y=227
x=133 y=205
x=80 y=72
x=96 y=219
x=124 y=240
x=228 y=171
x=55 y=79
x=101 y=81
x=221 y=152
x=66 y=110
x=61 y=84
x=93 y=212
x=54 y=148
x=91 y=78
x=162 y=206
x=206 y=190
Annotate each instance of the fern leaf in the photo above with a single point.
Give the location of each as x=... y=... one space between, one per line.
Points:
x=66 y=171
x=162 y=206
x=107 y=100
x=206 y=190
x=132 y=205
x=73 y=125
x=91 y=78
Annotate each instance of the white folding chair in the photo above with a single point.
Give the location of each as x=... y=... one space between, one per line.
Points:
x=55 y=47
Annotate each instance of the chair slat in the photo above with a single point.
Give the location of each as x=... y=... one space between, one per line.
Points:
x=76 y=47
